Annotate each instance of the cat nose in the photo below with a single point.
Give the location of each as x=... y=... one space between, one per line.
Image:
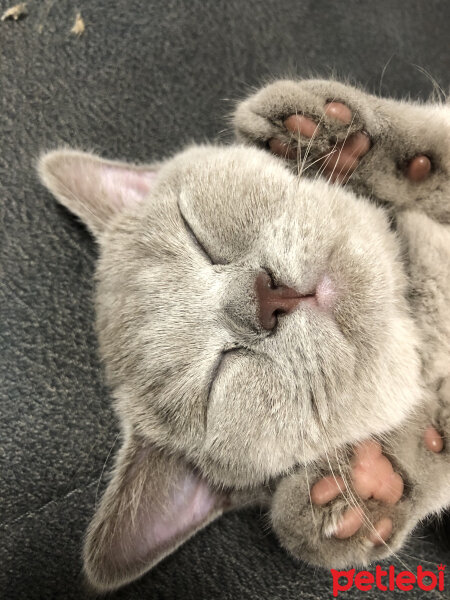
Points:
x=274 y=301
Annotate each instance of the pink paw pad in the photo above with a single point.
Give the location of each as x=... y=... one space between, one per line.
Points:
x=343 y=158
x=346 y=156
x=418 y=168
x=382 y=531
x=433 y=440
x=301 y=125
x=338 y=111
x=373 y=477
x=281 y=149
x=350 y=523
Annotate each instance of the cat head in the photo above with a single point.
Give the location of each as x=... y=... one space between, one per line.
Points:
x=248 y=321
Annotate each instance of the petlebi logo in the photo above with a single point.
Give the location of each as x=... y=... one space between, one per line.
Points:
x=388 y=580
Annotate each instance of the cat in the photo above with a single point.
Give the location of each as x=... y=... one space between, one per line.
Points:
x=251 y=321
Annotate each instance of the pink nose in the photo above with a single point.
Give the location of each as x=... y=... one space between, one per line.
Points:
x=274 y=301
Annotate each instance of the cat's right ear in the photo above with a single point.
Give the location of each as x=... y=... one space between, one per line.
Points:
x=92 y=188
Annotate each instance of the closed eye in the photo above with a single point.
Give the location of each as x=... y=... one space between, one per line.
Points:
x=194 y=238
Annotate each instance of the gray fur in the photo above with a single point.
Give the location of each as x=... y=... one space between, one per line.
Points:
x=203 y=393
x=399 y=130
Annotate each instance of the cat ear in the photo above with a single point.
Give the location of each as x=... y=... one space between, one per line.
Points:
x=152 y=505
x=92 y=188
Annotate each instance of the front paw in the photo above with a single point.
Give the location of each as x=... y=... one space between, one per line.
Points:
x=325 y=127
x=312 y=124
x=344 y=523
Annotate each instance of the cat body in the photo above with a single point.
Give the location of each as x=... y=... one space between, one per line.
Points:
x=219 y=409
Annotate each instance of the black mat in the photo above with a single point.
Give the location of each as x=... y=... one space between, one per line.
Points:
x=143 y=80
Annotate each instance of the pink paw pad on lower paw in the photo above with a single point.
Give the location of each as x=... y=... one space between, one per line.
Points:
x=353 y=519
x=382 y=531
x=372 y=476
x=350 y=523
x=326 y=489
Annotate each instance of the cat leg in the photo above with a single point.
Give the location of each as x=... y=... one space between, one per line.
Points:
x=395 y=152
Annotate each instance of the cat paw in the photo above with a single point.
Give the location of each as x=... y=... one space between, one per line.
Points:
x=342 y=523
x=344 y=151
x=345 y=134
x=372 y=477
x=308 y=123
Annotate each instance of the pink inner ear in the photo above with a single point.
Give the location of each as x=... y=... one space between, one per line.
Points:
x=126 y=187
x=163 y=523
x=191 y=502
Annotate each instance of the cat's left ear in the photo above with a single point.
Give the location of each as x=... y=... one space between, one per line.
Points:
x=153 y=503
x=95 y=189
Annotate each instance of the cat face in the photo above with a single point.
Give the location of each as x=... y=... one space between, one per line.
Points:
x=193 y=366
x=248 y=322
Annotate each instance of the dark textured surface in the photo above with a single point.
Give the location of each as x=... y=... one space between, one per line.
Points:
x=144 y=79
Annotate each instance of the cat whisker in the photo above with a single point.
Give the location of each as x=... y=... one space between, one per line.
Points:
x=104 y=467
x=438 y=93
x=342 y=147
x=354 y=162
x=321 y=158
x=308 y=148
x=307 y=481
x=325 y=163
x=383 y=72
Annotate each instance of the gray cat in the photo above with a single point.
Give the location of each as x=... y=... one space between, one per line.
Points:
x=252 y=322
